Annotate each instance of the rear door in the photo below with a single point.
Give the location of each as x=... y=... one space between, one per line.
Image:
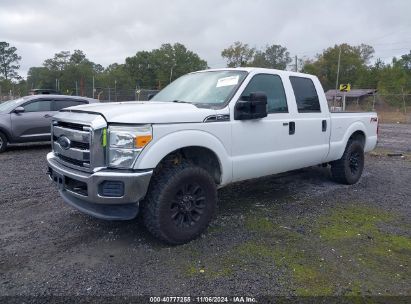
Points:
x=310 y=141
x=34 y=123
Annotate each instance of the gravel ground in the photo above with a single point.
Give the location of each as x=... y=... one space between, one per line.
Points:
x=294 y=234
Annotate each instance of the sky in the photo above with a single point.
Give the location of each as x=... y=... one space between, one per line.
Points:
x=110 y=31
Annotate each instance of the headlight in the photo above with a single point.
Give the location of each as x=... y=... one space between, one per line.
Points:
x=125 y=144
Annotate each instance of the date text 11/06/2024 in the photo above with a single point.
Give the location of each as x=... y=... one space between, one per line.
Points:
x=235 y=299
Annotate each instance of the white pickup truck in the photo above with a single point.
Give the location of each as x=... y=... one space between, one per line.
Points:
x=168 y=156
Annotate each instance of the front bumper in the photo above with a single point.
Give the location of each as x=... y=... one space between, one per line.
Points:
x=84 y=190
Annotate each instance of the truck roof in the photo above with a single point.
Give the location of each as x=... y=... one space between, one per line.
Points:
x=262 y=70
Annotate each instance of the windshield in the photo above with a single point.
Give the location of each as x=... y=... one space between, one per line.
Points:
x=207 y=88
x=9 y=105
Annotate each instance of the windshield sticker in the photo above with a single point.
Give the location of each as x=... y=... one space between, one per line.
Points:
x=227 y=81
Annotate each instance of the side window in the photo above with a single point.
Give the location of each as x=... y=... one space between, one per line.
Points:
x=38 y=106
x=61 y=104
x=273 y=87
x=305 y=94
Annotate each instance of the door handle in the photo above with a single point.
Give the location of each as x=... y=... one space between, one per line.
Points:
x=324 y=125
x=48 y=116
x=291 y=128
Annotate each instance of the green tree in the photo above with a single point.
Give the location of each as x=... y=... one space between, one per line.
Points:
x=405 y=61
x=395 y=79
x=71 y=70
x=9 y=61
x=40 y=77
x=59 y=62
x=354 y=60
x=273 y=57
x=238 y=54
x=156 y=68
x=141 y=68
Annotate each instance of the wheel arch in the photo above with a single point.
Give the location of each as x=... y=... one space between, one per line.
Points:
x=199 y=147
x=356 y=130
x=6 y=133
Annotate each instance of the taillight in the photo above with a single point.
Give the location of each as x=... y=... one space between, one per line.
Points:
x=375 y=119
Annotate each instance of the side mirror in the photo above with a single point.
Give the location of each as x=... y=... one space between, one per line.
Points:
x=150 y=96
x=19 y=110
x=253 y=107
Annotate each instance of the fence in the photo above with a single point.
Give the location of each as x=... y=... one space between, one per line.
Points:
x=103 y=94
x=390 y=107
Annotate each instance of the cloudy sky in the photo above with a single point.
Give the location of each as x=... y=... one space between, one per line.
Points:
x=110 y=31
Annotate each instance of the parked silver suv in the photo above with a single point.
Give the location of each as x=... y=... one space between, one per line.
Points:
x=28 y=119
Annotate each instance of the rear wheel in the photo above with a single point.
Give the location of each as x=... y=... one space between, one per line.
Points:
x=3 y=142
x=180 y=203
x=348 y=169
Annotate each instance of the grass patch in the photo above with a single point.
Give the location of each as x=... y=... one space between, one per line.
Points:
x=259 y=224
x=351 y=223
x=257 y=251
x=346 y=252
x=302 y=267
x=356 y=232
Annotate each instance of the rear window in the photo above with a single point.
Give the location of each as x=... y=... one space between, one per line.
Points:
x=305 y=94
x=61 y=104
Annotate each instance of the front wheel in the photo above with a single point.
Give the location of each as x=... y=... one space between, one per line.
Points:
x=348 y=169
x=180 y=203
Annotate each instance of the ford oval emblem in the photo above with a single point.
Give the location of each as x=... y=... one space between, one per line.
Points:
x=64 y=142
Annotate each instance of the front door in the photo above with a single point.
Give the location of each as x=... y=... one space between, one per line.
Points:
x=260 y=146
x=34 y=124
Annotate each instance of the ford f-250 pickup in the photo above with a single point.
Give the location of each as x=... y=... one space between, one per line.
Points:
x=168 y=156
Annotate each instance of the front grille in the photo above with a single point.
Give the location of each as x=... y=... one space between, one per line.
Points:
x=71 y=144
x=76 y=144
x=73 y=161
x=70 y=125
x=77 y=140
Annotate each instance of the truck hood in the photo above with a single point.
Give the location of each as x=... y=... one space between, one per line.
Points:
x=146 y=112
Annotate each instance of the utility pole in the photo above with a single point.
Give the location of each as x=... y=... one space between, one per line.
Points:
x=403 y=100
x=296 y=65
x=76 y=88
x=93 y=87
x=338 y=75
x=171 y=73
x=115 y=90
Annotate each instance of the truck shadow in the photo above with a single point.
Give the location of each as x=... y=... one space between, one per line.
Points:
x=244 y=196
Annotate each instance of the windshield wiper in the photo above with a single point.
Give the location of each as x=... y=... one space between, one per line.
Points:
x=180 y=101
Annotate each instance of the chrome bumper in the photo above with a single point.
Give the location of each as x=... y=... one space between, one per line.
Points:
x=83 y=191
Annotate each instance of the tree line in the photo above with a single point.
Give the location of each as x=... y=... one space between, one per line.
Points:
x=156 y=68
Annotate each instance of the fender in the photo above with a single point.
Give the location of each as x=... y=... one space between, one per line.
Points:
x=7 y=134
x=337 y=148
x=156 y=151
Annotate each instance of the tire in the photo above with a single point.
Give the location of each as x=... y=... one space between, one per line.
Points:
x=180 y=203
x=348 y=169
x=3 y=142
